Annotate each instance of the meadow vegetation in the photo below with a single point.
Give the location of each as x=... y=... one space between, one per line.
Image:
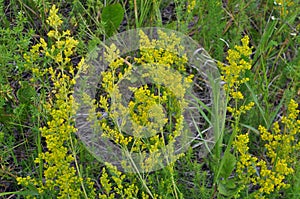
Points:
x=44 y=46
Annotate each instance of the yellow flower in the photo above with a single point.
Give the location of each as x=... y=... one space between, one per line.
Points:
x=54 y=20
x=191 y=5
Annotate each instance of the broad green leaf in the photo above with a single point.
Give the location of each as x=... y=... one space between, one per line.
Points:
x=112 y=16
x=228 y=165
x=228 y=188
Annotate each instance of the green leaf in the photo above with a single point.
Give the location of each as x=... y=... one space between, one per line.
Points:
x=231 y=184
x=228 y=188
x=112 y=16
x=257 y=103
x=32 y=192
x=228 y=165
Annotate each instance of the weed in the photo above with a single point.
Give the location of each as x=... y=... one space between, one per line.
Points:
x=256 y=154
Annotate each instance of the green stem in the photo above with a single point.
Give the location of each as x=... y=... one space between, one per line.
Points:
x=77 y=167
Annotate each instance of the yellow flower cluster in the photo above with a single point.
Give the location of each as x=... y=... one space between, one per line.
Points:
x=165 y=51
x=146 y=108
x=60 y=179
x=152 y=105
x=54 y=20
x=113 y=186
x=191 y=5
x=238 y=59
x=239 y=62
x=246 y=164
x=282 y=148
x=236 y=112
x=109 y=79
x=271 y=179
x=60 y=52
x=33 y=57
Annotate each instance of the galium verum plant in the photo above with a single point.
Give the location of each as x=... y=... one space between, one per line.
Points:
x=233 y=74
x=59 y=179
x=152 y=104
x=155 y=111
x=282 y=145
